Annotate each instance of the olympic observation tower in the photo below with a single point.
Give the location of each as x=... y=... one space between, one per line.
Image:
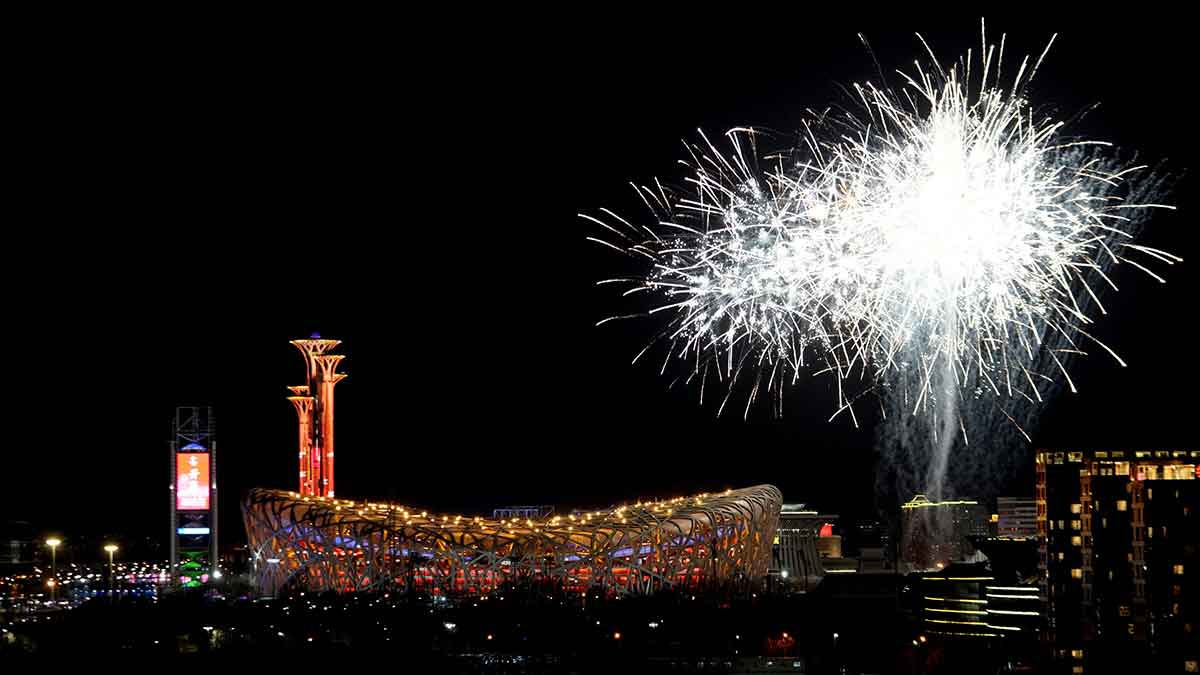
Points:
x=314 y=407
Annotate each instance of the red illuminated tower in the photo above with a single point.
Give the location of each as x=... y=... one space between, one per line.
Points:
x=314 y=407
x=304 y=406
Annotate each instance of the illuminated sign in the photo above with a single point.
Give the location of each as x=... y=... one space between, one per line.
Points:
x=192 y=530
x=191 y=481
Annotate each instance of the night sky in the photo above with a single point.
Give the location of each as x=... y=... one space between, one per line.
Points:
x=187 y=203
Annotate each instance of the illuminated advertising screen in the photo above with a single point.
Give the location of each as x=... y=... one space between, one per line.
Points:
x=191 y=481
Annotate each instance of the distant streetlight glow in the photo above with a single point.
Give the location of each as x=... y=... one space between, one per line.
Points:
x=53 y=543
x=112 y=577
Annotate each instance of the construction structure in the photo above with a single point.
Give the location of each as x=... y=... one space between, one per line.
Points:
x=318 y=543
x=314 y=407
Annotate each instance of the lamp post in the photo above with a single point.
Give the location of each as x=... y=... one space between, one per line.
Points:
x=53 y=543
x=112 y=576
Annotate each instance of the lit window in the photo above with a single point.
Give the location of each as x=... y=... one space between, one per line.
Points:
x=1121 y=469
x=1076 y=525
x=1076 y=573
x=1076 y=669
x=1180 y=472
x=1178 y=569
x=1060 y=556
x=1076 y=540
x=1077 y=653
x=1075 y=456
x=1062 y=524
x=1101 y=454
x=1123 y=610
x=1076 y=508
x=1122 y=505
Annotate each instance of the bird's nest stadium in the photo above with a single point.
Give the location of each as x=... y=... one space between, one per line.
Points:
x=325 y=544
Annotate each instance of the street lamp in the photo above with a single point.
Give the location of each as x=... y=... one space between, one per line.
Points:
x=53 y=543
x=112 y=576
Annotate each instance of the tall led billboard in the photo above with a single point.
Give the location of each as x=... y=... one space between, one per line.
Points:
x=191 y=481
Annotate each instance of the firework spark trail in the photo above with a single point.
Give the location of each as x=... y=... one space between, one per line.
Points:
x=946 y=229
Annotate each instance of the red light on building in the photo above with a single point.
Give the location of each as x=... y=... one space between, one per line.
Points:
x=191 y=477
x=826 y=530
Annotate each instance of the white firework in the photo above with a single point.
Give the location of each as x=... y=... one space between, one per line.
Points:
x=945 y=236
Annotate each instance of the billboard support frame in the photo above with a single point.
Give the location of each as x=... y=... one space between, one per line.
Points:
x=193 y=431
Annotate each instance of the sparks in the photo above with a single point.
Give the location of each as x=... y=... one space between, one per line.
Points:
x=945 y=239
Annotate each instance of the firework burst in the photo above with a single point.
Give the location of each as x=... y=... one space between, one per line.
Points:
x=944 y=238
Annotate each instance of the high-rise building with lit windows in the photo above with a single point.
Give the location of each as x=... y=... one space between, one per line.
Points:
x=1117 y=542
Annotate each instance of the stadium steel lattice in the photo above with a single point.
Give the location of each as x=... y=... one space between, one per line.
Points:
x=323 y=544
